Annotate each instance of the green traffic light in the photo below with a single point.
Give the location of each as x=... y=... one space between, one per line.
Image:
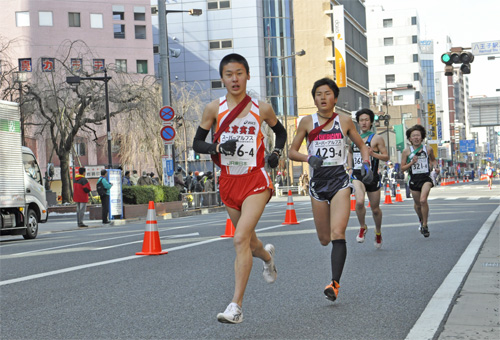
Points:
x=376 y=117
x=445 y=58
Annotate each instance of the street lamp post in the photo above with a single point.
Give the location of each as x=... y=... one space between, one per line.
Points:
x=75 y=80
x=164 y=62
x=285 y=117
x=20 y=78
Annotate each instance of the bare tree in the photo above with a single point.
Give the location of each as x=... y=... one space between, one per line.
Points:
x=142 y=144
x=63 y=112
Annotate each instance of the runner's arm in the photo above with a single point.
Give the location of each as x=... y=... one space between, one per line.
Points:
x=382 y=150
x=293 y=153
x=208 y=119
x=404 y=165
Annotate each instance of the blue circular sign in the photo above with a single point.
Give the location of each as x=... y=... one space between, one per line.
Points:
x=167 y=133
x=167 y=113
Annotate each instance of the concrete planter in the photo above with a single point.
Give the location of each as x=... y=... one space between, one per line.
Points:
x=139 y=210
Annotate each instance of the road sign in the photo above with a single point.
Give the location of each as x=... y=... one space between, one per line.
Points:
x=167 y=113
x=486 y=47
x=168 y=134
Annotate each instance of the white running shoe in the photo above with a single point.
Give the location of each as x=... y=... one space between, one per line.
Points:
x=269 y=272
x=232 y=314
x=362 y=233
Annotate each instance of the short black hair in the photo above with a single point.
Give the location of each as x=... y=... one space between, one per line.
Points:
x=365 y=112
x=127 y=173
x=104 y=172
x=233 y=58
x=326 y=81
x=81 y=171
x=416 y=127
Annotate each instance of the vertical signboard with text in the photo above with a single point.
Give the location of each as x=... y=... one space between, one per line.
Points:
x=339 y=44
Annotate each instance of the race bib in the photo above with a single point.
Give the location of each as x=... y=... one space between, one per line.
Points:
x=421 y=166
x=357 y=160
x=246 y=148
x=331 y=150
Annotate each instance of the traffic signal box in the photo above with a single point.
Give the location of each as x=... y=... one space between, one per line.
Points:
x=457 y=56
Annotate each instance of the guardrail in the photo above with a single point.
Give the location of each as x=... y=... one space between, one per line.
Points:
x=199 y=200
x=283 y=190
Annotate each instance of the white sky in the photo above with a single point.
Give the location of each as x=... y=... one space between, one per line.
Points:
x=466 y=22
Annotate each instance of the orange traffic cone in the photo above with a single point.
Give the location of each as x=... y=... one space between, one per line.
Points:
x=290 y=217
x=368 y=206
x=353 y=202
x=399 y=198
x=388 y=199
x=151 y=244
x=229 y=228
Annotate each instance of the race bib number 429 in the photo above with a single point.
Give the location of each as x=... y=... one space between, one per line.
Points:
x=331 y=150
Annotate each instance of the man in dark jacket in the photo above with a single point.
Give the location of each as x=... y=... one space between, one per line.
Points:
x=81 y=189
x=104 y=196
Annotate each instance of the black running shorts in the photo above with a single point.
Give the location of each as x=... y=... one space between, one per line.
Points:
x=418 y=183
x=324 y=189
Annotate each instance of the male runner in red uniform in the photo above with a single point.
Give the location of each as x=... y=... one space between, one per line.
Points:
x=245 y=187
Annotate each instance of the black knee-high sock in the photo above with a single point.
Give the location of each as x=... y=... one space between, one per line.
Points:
x=339 y=253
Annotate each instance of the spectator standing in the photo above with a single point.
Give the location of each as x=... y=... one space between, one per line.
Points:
x=104 y=194
x=145 y=179
x=391 y=178
x=81 y=189
x=179 y=180
x=134 y=178
x=188 y=182
x=126 y=179
x=153 y=179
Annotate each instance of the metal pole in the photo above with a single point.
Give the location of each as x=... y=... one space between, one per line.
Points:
x=108 y=124
x=21 y=112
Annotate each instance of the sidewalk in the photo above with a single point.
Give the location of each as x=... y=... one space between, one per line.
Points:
x=475 y=314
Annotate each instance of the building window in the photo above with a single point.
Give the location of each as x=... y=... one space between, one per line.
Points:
x=217 y=84
x=139 y=13
x=80 y=149
x=156 y=49
x=387 y=22
x=398 y=98
x=413 y=39
x=388 y=41
x=142 y=66
x=390 y=78
x=219 y=4
x=413 y=20
x=96 y=21
x=415 y=58
x=220 y=44
x=45 y=19
x=416 y=76
x=22 y=19
x=140 y=32
x=121 y=65
x=389 y=60
x=119 y=31
x=74 y=19
x=118 y=12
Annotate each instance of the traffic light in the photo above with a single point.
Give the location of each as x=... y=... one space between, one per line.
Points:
x=457 y=56
x=377 y=122
x=196 y=156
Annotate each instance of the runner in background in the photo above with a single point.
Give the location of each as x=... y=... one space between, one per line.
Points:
x=378 y=151
x=418 y=159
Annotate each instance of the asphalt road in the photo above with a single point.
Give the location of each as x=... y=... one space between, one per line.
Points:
x=88 y=284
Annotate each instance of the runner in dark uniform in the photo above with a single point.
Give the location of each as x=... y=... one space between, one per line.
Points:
x=326 y=133
x=378 y=151
x=418 y=159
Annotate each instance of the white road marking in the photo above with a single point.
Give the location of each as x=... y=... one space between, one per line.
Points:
x=433 y=315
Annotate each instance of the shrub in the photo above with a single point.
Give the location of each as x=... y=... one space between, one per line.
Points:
x=146 y=193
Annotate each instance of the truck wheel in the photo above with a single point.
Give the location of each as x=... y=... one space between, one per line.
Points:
x=32 y=229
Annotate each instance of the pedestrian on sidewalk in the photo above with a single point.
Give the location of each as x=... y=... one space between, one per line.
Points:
x=418 y=159
x=378 y=151
x=81 y=189
x=103 y=187
x=329 y=187
x=245 y=186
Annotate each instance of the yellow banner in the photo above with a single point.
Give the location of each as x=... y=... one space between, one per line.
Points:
x=432 y=122
x=339 y=42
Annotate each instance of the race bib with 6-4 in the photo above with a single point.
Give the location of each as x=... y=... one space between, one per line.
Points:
x=246 y=147
x=331 y=150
